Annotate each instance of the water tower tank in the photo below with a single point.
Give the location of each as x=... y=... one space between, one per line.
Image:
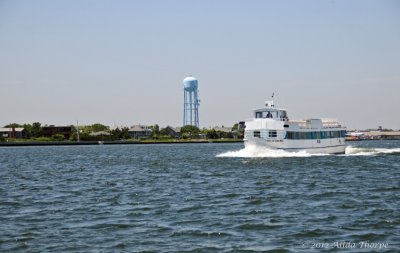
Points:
x=190 y=102
x=190 y=84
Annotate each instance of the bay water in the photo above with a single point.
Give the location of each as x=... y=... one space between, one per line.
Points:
x=199 y=198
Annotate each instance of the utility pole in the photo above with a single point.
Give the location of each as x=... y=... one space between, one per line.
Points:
x=77 y=131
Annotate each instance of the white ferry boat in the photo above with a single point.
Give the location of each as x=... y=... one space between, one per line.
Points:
x=271 y=128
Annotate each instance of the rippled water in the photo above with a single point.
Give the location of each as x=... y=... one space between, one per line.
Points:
x=200 y=198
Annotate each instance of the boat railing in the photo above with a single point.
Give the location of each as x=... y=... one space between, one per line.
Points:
x=304 y=124
x=277 y=119
x=326 y=123
x=330 y=123
x=300 y=123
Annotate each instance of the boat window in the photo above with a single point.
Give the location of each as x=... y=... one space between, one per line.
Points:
x=272 y=133
x=313 y=135
x=258 y=115
x=257 y=134
x=283 y=114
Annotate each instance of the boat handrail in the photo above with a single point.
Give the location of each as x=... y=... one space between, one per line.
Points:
x=298 y=121
x=330 y=123
x=303 y=123
x=277 y=119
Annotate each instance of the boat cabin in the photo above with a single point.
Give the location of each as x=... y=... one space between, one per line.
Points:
x=271 y=112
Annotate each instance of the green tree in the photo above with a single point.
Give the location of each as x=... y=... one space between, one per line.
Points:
x=225 y=134
x=58 y=137
x=125 y=133
x=155 y=131
x=212 y=134
x=120 y=134
x=74 y=135
x=28 y=128
x=36 y=129
x=84 y=136
x=190 y=131
x=97 y=127
x=116 y=133
x=235 y=127
x=13 y=125
x=239 y=129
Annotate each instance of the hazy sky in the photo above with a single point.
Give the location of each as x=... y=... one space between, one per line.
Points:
x=123 y=62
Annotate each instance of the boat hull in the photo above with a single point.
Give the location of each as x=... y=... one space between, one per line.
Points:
x=336 y=147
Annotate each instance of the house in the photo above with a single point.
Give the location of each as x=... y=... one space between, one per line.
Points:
x=13 y=132
x=139 y=131
x=227 y=132
x=49 y=131
x=174 y=132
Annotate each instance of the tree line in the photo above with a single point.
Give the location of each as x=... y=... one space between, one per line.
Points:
x=35 y=132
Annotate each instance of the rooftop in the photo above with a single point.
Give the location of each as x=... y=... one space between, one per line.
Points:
x=10 y=129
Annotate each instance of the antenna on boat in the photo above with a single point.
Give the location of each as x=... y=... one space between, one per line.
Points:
x=272 y=101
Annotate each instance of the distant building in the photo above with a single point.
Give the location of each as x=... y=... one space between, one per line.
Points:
x=372 y=135
x=13 y=132
x=49 y=131
x=100 y=133
x=228 y=132
x=223 y=129
x=174 y=132
x=384 y=135
x=139 y=131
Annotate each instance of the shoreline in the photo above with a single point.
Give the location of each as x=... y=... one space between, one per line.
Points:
x=87 y=143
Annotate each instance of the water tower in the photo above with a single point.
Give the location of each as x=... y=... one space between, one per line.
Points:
x=190 y=102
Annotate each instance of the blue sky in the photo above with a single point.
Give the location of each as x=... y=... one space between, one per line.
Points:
x=123 y=62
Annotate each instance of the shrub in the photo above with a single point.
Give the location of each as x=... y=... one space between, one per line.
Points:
x=58 y=137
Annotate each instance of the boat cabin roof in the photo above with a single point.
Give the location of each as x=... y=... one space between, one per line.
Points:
x=268 y=109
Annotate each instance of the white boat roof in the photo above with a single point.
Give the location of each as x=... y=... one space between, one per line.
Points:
x=269 y=105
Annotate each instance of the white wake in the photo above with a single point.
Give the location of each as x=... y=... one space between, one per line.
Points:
x=255 y=152
x=356 y=151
